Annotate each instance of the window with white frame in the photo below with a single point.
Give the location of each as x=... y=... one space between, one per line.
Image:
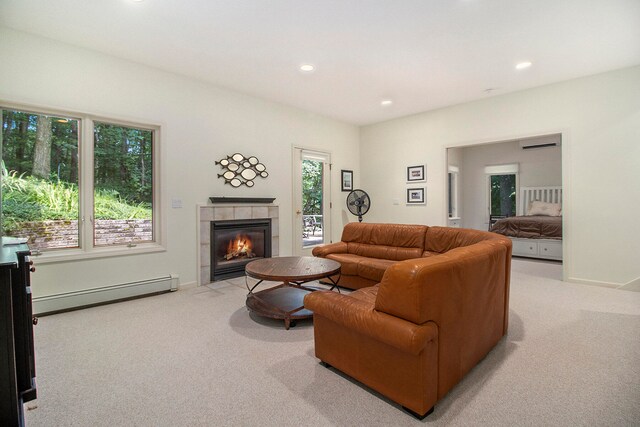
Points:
x=453 y=176
x=502 y=182
x=78 y=182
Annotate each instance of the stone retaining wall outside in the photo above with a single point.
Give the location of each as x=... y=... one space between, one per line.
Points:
x=64 y=233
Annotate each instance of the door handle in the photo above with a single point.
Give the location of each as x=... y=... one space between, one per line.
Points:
x=298 y=212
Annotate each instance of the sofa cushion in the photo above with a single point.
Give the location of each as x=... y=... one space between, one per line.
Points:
x=426 y=254
x=373 y=268
x=348 y=262
x=443 y=239
x=331 y=248
x=383 y=252
x=356 y=265
x=354 y=282
x=390 y=235
x=367 y=295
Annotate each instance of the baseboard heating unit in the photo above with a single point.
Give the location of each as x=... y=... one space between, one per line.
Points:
x=67 y=301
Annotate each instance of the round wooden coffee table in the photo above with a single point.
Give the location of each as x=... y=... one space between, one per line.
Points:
x=285 y=301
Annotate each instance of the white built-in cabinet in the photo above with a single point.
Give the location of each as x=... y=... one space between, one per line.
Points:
x=538 y=248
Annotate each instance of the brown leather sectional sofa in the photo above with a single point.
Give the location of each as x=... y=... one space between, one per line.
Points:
x=431 y=303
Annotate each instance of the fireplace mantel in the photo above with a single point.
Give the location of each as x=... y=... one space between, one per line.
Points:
x=242 y=200
x=230 y=211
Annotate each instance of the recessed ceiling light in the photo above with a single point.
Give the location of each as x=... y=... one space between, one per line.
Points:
x=307 y=68
x=523 y=65
x=386 y=102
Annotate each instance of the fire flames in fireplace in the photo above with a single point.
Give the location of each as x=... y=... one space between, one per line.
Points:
x=237 y=242
x=240 y=247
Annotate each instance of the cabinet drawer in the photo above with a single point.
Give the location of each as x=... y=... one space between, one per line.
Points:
x=525 y=248
x=550 y=249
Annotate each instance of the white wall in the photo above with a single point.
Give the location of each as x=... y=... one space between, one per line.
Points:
x=200 y=124
x=599 y=118
x=537 y=167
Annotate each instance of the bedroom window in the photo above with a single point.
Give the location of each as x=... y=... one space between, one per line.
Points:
x=502 y=190
x=77 y=186
x=453 y=178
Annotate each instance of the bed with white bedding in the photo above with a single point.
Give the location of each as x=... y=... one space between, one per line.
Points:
x=536 y=231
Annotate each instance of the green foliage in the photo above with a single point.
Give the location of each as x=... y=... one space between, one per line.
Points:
x=19 y=131
x=109 y=205
x=32 y=199
x=503 y=195
x=122 y=155
x=123 y=161
x=122 y=165
x=311 y=187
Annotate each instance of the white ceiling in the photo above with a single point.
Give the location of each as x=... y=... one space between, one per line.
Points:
x=422 y=54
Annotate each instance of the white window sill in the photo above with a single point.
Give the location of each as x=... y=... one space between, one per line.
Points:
x=66 y=255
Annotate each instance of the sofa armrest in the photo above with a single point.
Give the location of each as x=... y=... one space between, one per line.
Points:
x=331 y=248
x=360 y=317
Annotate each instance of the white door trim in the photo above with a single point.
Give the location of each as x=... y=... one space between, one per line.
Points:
x=297 y=154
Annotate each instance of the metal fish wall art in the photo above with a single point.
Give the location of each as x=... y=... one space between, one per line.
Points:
x=240 y=170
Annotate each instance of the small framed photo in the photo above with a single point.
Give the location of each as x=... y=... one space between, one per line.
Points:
x=416 y=173
x=346 y=180
x=415 y=196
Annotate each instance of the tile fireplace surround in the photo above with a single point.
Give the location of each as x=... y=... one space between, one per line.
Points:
x=227 y=211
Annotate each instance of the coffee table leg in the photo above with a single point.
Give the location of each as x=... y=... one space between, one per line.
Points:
x=289 y=323
x=334 y=283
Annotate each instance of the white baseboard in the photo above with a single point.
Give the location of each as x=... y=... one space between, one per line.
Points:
x=188 y=285
x=101 y=295
x=633 y=285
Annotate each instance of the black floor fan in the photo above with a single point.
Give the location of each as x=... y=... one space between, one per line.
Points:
x=358 y=203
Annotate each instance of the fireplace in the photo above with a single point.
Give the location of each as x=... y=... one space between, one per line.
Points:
x=234 y=243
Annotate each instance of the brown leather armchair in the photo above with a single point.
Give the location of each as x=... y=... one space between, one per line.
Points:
x=415 y=335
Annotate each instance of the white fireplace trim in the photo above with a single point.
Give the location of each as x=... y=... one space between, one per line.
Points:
x=226 y=211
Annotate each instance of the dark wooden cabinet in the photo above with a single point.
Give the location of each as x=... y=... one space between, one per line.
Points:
x=17 y=358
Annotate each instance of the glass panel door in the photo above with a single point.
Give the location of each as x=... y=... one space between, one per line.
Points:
x=312 y=194
x=311 y=190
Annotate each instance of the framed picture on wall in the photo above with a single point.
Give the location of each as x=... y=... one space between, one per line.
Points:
x=346 y=180
x=415 y=196
x=417 y=173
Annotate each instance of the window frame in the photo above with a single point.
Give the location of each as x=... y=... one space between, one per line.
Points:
x=496 y=170
x=453 y=185
x=86 y=248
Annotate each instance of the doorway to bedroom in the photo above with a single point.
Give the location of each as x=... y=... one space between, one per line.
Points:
x=513 y=187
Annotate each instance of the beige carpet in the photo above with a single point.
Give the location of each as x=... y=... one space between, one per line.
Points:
x=196 y=357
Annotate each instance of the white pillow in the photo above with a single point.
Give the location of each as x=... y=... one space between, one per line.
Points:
x=542 y=208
